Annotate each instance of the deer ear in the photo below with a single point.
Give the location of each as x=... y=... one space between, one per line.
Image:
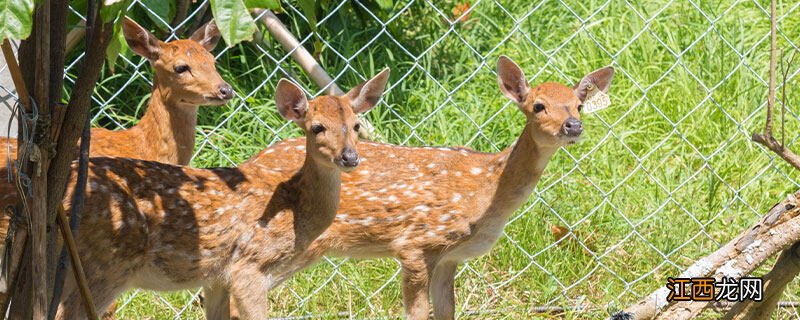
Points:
x=207 y=36
x=291 y=101
x=365 y=96
x=140 y=40
x=600 y=79
x=512 y=80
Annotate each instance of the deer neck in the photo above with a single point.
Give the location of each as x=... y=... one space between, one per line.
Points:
x=522 y=165
x=168 y=127
x=317 y=195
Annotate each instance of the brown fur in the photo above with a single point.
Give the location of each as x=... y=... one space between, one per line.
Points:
x=432 y=208
x=166 y=132
x=165 y=227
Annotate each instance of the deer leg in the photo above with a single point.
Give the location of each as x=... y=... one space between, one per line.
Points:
x=216 y=302
x=443 y=290
x=104 y=291
x=416 y=285
x=235 y=314
x=110 y=313
x=249 y=288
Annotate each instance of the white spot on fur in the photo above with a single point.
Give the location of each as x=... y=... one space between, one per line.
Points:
x=422 y=208
x=269 y=151
x=365 y=195
x=456 y=197
x=393 y=198
x=300 y=147
x=364 y=172
x=443 y=172
x=430 y=166
x=475 y=170
x=458 y=173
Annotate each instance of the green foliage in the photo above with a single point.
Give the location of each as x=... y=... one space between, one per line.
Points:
x=274 y=5
x=113 y=9
x=160 y=9
x=16 y=19
x=234 y=20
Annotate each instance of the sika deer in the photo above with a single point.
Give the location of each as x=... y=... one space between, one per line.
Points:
x=432 y=208
x=184 y=78
x=166 y=227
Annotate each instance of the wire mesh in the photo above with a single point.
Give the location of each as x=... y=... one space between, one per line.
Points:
x=665 y=176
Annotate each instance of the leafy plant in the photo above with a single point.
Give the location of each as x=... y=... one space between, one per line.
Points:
x=16 y=19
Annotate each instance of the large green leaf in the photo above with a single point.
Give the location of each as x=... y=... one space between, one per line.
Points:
x=274 y=5
x=112 y=9
x=309 y=8
x=158 y=9
x=16 y=19
x=116 y=46
x=233 y=20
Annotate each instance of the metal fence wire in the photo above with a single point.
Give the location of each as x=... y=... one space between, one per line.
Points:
x=663 y=177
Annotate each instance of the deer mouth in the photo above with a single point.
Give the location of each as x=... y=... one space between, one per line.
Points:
x=344 y=166
x=569 y=138
x=215 y=101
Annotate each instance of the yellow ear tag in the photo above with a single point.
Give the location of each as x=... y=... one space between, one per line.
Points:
x=596 y=100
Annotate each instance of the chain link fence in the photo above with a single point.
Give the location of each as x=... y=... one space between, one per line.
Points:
x=663 y=177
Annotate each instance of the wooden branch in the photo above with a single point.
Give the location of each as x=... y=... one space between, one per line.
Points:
x=300 y=55
x=20 y=236
x=772 y=144
x=771 y=94
x=783 y=272
x=69 y=230
x=779 y=229
x=98 y=37
x=16 y=75
x=181 y=10
x=58 y=33
x=38 y=172
x=75 y=36
x=307 y=62
x=77 y=267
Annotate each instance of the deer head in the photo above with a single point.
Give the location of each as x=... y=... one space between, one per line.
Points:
x=184 y=68
x=330 y=123
x=552 y=109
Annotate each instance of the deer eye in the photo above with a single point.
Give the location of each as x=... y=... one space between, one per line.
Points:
x=181 y=68
x=538 y=107
x=357 y=127
x=580 y=107
x=317 y=128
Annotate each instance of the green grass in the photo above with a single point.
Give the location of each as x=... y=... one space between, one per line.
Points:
x=663 y=177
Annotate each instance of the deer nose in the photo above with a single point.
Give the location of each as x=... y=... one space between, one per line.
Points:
x=225 y=91
x=349 y=157
x=573 y=127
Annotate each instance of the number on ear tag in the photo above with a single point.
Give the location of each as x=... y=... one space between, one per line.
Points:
x=596 y=100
